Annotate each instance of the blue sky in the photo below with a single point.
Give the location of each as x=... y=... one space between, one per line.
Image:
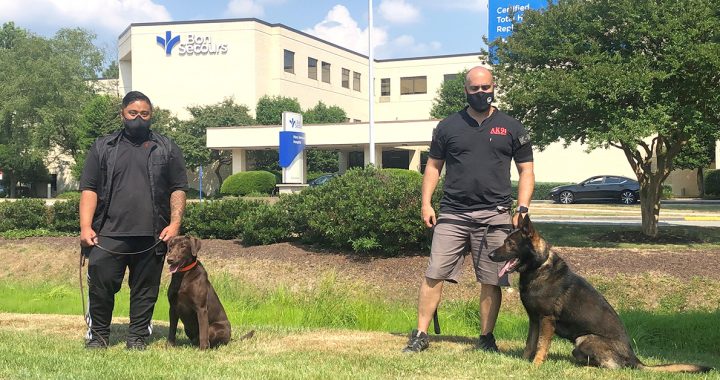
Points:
x=402 y=28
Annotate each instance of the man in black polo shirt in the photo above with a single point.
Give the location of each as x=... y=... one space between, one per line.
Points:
x=477 y=145
x=133 y=199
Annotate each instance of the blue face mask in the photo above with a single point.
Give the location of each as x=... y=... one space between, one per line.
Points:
x=137 y=127
x=480 y=101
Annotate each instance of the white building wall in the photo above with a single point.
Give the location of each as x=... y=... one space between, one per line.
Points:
x=253 y=67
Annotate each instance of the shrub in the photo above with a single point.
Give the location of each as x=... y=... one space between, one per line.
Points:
x=666 y=192
x=541 y=191
x=65 y=216
x=244 y=183
x=69 y=195
x=216 y=219
x=23 y=214
x=411 y=174
x=712 y=182
x=364 y=209
x=265 y=224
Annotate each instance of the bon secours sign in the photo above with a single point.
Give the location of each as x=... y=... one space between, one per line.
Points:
x=190 y=44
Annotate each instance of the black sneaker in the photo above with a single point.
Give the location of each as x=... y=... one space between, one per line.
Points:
x=418 y=342
x=96 y=342
x=136 y=343
x=487 y=343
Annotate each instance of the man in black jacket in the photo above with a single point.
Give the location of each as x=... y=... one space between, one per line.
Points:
x=133 y=199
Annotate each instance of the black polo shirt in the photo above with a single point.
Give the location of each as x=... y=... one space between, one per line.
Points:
x=477 y=159
x=130 y=212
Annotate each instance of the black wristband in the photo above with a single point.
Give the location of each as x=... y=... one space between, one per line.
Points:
x=522 y=210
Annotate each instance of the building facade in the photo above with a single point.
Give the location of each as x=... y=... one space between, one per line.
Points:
x=181 y=64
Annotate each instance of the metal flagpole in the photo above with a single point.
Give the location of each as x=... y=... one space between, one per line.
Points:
x=371 y=84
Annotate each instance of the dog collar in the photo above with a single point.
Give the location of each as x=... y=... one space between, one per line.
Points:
x=188 y=267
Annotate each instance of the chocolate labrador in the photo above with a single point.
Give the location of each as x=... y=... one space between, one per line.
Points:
x=192 y=298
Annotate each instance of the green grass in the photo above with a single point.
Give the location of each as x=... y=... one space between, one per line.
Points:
x=624 y=236
x=318 y=333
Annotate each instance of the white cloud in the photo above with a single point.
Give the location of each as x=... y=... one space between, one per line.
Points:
x=406 y=46
x=341 y=29
x=399 y=11
x=110 y=15
x=249 y=8
x=469 y=5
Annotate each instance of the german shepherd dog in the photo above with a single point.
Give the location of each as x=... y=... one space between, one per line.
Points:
x=561 y=302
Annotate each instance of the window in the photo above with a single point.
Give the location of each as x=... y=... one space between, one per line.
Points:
x=312 y=68
x=326 y=72
x=413 y=85
x=356 y=81
x=289 y=62
x=385 y=87
x=449 y=77
x=346 y=78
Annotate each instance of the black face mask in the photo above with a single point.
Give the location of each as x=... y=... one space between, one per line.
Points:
x=137 y=127
x=480 y=101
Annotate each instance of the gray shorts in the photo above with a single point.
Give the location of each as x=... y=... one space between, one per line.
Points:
x=452 y=240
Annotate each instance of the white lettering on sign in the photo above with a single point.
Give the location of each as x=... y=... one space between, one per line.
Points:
x=195 y=44
x=514 y=8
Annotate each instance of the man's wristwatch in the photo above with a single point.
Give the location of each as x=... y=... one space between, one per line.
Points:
x=522 y=210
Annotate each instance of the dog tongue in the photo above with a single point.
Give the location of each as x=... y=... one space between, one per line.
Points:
x=508 y=266
x=174 y=268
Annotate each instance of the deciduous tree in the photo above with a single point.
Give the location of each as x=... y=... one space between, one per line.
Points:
x=641 y=76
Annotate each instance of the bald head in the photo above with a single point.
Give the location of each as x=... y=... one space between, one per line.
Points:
x=477 y=76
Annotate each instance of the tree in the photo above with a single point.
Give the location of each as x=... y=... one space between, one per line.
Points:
x=269 y=112
x=44 y=82
x=269 y=109
x=637 y=75
x=697 y=155
x=190 y=135
x=323 y=161
x=100 y=116
x=450 y=97
x=112 y=71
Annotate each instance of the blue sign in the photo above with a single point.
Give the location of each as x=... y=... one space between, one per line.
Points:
x=168 y=42
x=291 y=144
x=499 y=15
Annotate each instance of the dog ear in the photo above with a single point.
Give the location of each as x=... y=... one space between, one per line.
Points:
x=194 y=245
x=526 y=226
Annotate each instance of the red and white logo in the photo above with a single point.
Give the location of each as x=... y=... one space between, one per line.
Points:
x=498 y=131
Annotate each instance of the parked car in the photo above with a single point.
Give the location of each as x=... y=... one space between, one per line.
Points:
x=323 y=179
x=598 y=188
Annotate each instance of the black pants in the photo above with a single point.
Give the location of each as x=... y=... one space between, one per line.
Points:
x=105 y=276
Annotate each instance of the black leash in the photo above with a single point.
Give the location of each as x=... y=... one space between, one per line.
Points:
x=86 y=313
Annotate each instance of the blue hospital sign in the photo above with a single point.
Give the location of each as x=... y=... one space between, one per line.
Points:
x=291 y=145
x=501 y=14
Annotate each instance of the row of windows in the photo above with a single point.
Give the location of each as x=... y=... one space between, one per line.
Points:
x=289 y=64
x=408 y=85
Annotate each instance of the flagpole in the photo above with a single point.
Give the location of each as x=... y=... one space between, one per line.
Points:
x=371 y=84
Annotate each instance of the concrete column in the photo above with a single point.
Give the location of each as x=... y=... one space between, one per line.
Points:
x=717 y=154
x=378 y=156
x=415 y=160
x=343 y=160
x=239 y=160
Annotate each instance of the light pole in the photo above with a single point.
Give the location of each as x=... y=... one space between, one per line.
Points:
x=371 y=84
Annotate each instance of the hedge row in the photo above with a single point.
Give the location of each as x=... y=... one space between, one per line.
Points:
x=363 y=210
x=31 y=214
